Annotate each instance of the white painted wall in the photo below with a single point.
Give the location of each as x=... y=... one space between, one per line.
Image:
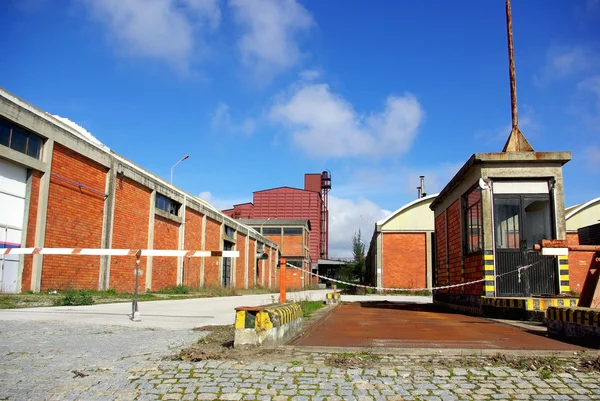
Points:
x=13 y=186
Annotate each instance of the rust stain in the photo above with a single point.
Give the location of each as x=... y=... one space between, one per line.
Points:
x=377 y=324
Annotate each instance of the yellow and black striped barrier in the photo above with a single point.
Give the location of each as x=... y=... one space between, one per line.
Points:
x=333 y=297
x=266 y=318
x=529 y=304
x=581 y=316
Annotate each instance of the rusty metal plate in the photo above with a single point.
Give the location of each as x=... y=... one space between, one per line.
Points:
x=401 y=325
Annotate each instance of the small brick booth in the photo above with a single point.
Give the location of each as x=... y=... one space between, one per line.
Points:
x=487 y=220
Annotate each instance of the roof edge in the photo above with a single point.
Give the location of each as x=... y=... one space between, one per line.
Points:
x=407 y=206
x=582 y=206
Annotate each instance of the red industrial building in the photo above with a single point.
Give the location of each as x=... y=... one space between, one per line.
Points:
x=294 y=203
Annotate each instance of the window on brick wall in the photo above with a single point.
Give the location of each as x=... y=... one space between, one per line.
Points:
x=20 y=139
x=230 y=232
x=297 y=263
x=271 y=230
x=473 y=221
x=292 y=231
x=167 y=204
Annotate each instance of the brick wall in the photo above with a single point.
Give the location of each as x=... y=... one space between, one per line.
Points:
x=192 y=241
x=240 y=262
x=31 y=227
x=404 y=260
x=293 y=278
x=164 y=269
x=292 y=245
x=130 y=231
x=455 y=264
x=74 y=220
x=441 y=251
x=213 y=243
x=579 y=264
x=473 y=271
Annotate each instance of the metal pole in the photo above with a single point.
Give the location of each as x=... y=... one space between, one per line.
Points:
x=135 y=314
x=511 y=68
x=282 y=271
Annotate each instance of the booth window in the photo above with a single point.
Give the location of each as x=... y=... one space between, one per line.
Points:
x=473 y=221
x=20 y=140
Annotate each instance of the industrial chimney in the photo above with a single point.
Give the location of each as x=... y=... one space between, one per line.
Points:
x=422 y=192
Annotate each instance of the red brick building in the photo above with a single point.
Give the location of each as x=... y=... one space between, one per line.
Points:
x=61 y=188
x=292 y=236
x=400 y=253
x=309 y=203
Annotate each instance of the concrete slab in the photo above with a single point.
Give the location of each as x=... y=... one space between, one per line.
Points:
x=183 y=314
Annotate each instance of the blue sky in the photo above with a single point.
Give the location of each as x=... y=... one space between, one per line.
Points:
x=259 y=92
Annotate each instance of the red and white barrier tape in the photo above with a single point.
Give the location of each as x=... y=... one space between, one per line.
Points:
x=117 y=252
x=413 y=289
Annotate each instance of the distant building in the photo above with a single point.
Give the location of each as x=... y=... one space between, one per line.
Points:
x=310 y=203
x=293 y=238
x=578 y=217
x=401 y=251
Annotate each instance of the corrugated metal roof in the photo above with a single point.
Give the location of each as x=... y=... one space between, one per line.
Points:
x=276 y=222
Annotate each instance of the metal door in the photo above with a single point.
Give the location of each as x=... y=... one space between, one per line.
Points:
x=13 y=179
x=226 y=274
x=520 y=222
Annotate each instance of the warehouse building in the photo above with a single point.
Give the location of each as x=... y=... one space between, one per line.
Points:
x=310 y=203
x=580 y=217
x=61 y=188
x=401 y=251
x=292 y=236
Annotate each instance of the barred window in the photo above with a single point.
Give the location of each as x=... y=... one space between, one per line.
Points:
x=473 y=221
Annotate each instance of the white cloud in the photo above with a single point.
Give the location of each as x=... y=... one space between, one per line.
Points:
x=323 y=123
x=565 y=61
x=310 y=75
x=219 y=203
x=221 y=121
x=346 y=216
x=169 y=30
x=269 y=43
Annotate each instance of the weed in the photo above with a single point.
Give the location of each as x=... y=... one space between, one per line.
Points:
x=296 y=363
x=73 y=298
x=309 y=307
x=544 y=374
x=180 y=289
x=349 y=359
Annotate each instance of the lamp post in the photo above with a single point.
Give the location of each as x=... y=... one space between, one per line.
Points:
x=182 y=159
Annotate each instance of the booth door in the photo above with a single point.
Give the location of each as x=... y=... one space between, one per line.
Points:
x=520 y=221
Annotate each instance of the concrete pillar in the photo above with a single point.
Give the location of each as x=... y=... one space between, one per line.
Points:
x=24 y=230
x=203 y=246
x=40 y=221
x=181 y=242
x=107 y=225
x=379 y=270
x=150 y=240
x=429 y=261
x=270 y=265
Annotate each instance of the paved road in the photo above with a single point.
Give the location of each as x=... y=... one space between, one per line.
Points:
x=122 y=363
x=171 y=315
x=41 y=351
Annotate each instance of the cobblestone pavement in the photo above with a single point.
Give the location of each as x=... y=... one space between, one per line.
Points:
x=38 y=360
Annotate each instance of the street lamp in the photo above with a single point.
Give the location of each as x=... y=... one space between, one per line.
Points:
x=182 y=159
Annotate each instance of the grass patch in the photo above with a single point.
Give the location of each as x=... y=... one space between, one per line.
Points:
x=73 y=298
x=352 y=360
x=309 y=307
x=180 y=289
